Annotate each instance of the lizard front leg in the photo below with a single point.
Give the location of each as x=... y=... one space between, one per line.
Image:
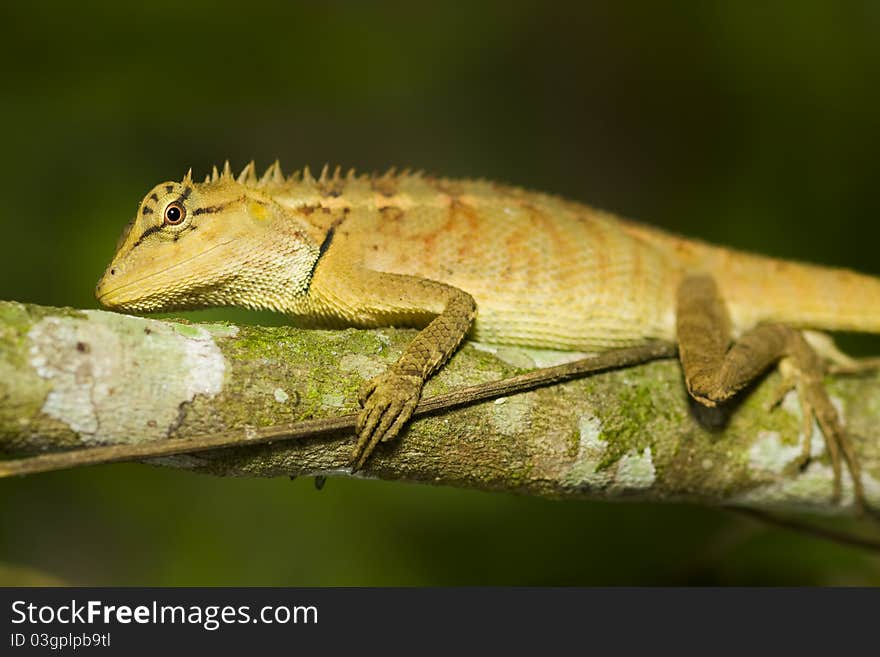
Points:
x=389 y=399
x=445 y=314
x=715 y=370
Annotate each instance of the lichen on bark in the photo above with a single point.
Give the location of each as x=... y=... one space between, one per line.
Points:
x=78 y=378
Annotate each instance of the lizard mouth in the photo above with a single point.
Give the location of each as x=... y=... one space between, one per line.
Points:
x=114 y=297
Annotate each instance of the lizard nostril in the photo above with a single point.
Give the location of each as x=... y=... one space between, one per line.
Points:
x=112 y=272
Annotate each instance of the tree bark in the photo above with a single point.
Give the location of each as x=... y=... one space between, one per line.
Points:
x=79 y=378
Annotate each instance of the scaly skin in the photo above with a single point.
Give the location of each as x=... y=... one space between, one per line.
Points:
x=456 y=259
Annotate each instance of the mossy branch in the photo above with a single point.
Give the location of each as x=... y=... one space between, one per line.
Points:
x=71 y=378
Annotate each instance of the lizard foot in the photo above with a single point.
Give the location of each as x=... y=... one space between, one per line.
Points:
x=791 y=381
x=815 y=403
x=388 y=401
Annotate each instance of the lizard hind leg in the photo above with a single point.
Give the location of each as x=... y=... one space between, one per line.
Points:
x=839 y=362
x=715 y=370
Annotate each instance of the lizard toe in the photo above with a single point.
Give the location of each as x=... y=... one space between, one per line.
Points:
x=365 y=448
x=403 y=416
x=787 y=384
x=382 y=433
x=367 y=421
x=366 y=390
x=390 y=402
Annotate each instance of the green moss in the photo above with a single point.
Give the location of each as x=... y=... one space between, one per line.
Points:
x=573 y=441
x=629 y=416
x=22 y=391
x=186 y=330
x=262 y=360
x=18 y=315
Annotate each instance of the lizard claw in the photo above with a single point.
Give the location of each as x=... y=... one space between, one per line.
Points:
x=804 y=372
x=788 y=383
x=815 y=403
x=388 y=402
x=791 y=380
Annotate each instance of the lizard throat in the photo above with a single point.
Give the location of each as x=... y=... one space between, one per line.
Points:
x=116 y=296
x=278 y=282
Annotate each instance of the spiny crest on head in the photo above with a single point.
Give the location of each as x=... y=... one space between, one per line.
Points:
x=274 y=175
x=389 y=175
x=248 y=175
x=327 y=178
x=331 y=184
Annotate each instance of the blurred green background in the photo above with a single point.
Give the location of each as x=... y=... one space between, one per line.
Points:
x=749 y=125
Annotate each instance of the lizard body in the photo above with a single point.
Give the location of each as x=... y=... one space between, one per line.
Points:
x=470 y=258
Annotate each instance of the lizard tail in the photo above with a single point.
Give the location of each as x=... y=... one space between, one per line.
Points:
x=759 y=289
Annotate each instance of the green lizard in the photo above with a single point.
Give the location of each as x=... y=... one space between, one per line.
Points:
x=495 y=263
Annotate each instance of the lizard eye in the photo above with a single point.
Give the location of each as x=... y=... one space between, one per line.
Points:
x=174 y=214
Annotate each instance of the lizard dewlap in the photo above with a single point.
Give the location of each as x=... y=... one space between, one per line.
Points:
x=460 y=258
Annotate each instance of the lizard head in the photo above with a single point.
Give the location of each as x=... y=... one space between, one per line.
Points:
x=195 y=245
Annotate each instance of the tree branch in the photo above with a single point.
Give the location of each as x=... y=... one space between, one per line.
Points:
x=71 y=378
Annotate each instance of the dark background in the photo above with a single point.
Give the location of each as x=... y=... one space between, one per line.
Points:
x=751 y=126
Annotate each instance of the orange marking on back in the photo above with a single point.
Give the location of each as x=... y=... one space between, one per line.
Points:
x=468 y=211
x=563 y=247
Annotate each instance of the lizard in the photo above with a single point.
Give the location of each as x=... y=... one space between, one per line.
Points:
x=475 y=259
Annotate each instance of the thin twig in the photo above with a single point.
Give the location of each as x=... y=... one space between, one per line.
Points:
x=308 y=428
x=804 y=527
